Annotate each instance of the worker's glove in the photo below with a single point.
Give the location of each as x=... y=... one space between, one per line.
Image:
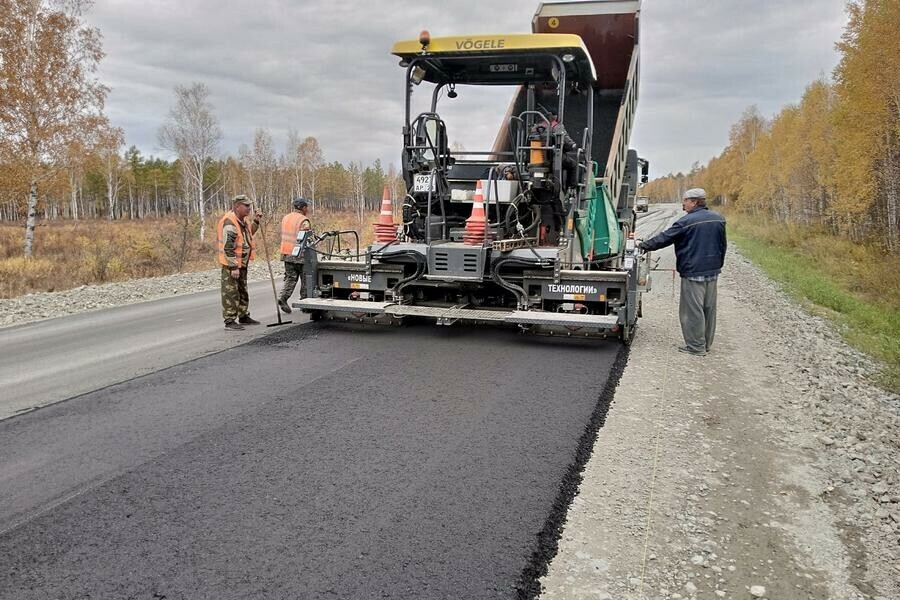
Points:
x=235 y=273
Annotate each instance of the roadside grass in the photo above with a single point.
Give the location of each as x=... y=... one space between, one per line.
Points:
x=856 y=286
x=68 y=254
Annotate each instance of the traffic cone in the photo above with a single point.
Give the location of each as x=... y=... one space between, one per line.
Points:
x=385 y=228
x=476 y=225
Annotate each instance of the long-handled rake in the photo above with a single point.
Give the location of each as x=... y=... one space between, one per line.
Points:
x=262 y=228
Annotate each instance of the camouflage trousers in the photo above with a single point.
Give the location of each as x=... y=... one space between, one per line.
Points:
x=235 y=298
x=292 y=273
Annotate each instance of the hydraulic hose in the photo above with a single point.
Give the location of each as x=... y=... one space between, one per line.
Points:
x=513 y=206
x=412 y=207
x=513 y=210
x=519 y=291
x=513 y=137
x=420 y=266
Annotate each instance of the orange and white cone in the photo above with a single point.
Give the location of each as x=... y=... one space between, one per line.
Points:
x=385 y=228
x=476 y=225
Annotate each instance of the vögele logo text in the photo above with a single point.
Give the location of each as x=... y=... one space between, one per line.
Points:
x=485 y=44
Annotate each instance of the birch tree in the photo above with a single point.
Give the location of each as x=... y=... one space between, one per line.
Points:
x=309 y=157
x=76 y=158
x=48 y=92
x=293 y=163
x=112 y=164
x=192 y=132
x=358 y=183
x=260 y=164
x=397 y=187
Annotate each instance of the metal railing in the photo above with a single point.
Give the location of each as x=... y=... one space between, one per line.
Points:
x=614 y=173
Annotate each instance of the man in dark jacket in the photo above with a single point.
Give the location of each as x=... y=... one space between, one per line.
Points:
x=699 y=239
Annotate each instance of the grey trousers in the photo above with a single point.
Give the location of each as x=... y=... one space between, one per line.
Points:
x=697 y=312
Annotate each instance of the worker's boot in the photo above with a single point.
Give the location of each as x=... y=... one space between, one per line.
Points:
x=233 y=326
x=248 y=320
x=283 y=305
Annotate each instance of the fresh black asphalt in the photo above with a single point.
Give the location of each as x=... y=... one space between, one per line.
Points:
x=318 y=462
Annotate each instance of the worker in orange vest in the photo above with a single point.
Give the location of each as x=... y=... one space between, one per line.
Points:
x=235 y=249
x=292 y=224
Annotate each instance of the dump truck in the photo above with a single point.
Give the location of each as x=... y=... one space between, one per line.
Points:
x=534 y=232
x=642 y=204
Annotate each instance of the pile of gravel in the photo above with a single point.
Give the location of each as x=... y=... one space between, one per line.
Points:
x=47 y=305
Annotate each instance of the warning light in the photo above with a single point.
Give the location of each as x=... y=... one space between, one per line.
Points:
x=424 y=38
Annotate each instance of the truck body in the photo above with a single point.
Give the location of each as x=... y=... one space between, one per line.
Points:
x=533 y=232
x=642 y=204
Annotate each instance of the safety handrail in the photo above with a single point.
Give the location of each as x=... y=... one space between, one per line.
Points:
x=614 y=173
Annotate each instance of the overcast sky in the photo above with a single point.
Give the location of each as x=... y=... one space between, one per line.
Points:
x=324 y=68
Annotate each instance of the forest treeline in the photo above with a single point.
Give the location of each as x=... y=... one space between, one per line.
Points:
x=60 y=158
x=831 y=161
x=122 y=183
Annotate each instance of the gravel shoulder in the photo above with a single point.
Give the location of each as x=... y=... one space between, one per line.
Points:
x=767 y=469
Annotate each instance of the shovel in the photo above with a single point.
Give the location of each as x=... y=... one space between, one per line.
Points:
x=262 y=228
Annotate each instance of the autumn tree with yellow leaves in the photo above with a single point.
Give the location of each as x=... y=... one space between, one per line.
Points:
x=833 y=160
x=867 y=117
x=48 y=92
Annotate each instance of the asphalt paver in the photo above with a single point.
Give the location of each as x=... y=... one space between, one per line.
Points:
x=317 y=462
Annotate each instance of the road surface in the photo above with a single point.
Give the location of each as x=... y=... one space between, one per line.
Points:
x=311 y=461
x=55 y=359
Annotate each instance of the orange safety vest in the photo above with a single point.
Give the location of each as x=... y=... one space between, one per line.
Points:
x=291 y=224
x=238 y=241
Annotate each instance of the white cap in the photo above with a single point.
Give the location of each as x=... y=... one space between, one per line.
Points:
x=695 y=194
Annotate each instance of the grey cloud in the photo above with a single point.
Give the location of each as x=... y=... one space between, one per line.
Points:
x=325 y=69
x=705 y=62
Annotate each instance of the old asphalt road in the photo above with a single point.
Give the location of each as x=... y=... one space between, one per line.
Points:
x=52 y=360
x=311 y=462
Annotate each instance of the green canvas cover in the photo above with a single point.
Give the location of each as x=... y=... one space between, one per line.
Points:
x=598 y=229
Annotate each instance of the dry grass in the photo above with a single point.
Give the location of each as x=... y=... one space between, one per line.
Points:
x=69 y=254
x=337 y=221
x=857 y=286
x=866 y=271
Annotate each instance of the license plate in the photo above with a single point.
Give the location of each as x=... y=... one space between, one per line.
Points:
x=423 y=183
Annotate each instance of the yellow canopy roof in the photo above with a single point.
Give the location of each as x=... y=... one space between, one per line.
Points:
x=492 y=43
x=535 y=44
